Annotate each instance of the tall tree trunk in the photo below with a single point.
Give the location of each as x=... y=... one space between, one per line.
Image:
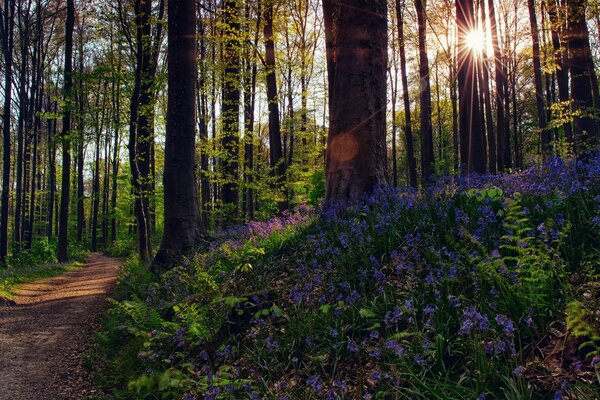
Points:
x=356 y=156
x=249 y=104
x=203 y=128
x=230 y=110
x=52 y=170
x=410 y=152
x=537 y=73
x=394 y=128
x=427 y=152
x=583 y=76
x=182 y=228
x=472 y=150
x=80 y=150
x=276 y=157
x=562 y=73
x=7 y=49
x=502 y=125
x=62 y=250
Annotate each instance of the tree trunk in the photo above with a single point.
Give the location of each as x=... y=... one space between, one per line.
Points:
x=537 y=73
x=182 y=215
x=276 y=157
x=62 y=251
x=501 y=97
x=562 y=73
x=356 y=156
x=410 y=152
x=230 y=110
x=7 y=49
x=472 y=150
x=427 y=152
x=582 y=80
x=80 y=152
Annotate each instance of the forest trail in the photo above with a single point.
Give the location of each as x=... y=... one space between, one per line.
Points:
x=43 y=336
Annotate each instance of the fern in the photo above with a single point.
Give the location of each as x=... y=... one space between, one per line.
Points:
x=577 y=322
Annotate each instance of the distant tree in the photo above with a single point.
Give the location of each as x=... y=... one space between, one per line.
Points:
x=230 y=109
x=182 y=229
x=472 y=149
x=356 y=31
x=537 y=74
x=62 y=250
x=277 y=159
x=408 y=135
x=427 y=153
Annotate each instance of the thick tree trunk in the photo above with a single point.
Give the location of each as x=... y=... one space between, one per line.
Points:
x=583 y=76
x=356 y=156
x=427 y=152
x=410 y=152
x=62 y=250
x=182 y=229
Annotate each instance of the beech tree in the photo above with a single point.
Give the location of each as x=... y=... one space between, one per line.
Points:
x=7 y=31
x=427 y=154
x=182 y=229
x=63 y=229
x=356 y=156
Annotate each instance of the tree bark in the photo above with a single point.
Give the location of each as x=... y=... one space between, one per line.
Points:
x=356 y=157
x=410 y=152
x=472 y=150
x=7 y=49
x=427 y=152
x=230 y=110
x=537 y=73
x=276 y=157
x=582 y=80
x=62 y=249
x=182 y=228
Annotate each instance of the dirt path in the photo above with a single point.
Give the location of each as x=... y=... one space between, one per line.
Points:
x=43 y=337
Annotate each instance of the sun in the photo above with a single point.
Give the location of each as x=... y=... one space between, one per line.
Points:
x=475 y=41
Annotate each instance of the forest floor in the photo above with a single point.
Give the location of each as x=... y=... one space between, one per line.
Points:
x=45 y=334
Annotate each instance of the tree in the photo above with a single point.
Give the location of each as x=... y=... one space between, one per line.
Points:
x=277 y=159
x=583 y=75
x=182 y=229
x=356 y=157
x=427 y=154
x=472 y=149
x=537 y=73
x=6 y=30
x=410 y=152
x=61 y=250
x=230 y=110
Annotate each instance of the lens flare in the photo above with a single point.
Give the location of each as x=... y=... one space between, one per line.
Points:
x=475 y=41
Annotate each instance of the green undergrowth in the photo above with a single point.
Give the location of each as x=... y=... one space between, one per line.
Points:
x=485 y=291
x=38 y=262
x=12 y=277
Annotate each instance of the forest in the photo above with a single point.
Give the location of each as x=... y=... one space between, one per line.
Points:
x=304 y=199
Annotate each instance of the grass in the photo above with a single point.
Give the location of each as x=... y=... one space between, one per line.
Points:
x=12 y=277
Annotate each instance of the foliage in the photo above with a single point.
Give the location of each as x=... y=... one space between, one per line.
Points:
x=438 y=295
